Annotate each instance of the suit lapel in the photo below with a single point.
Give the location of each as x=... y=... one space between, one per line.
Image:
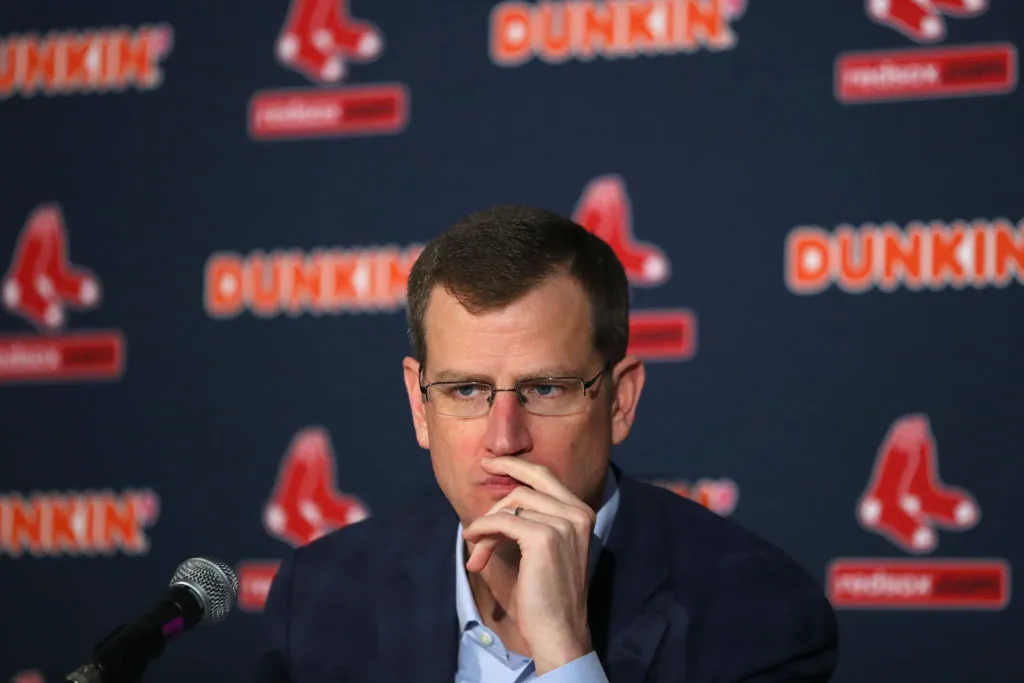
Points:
x=418 y=627
x=628 y=612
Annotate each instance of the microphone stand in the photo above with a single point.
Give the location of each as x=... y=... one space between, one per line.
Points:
x=126 y=672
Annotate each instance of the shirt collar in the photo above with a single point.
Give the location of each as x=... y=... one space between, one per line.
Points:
x=465 y=605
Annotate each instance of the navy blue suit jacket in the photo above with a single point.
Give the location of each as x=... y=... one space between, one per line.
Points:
x=679 y=595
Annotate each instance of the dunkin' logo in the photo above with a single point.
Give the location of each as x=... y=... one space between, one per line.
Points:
x=319 y=41
x=89 y=61
x=292 y=282
x=604 y=208
x=556 y=32
x=907 y=503
x=922 y=256
x=77 y=523
x=304 y=505
x=43 y=286
x=925 y=73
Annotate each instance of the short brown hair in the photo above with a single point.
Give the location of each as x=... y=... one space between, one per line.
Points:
x=493 y=257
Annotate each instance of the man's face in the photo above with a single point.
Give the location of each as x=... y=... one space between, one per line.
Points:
x=546 y=333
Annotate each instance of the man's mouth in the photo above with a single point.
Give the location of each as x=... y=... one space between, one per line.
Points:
x=500 y=483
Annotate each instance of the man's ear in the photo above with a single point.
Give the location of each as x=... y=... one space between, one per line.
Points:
x=411 y=370
x=628 y=377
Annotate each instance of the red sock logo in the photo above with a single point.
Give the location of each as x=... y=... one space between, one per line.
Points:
x=921 y=20
x=604 y=209
x=32 y=676
x=41 y=280
x=734 y=9
x=905 y=499
x=305 y=503
x=319 y=38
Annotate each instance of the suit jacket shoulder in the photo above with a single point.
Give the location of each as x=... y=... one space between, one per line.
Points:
x=326 y=607
x=701 y=541
x=752 y=613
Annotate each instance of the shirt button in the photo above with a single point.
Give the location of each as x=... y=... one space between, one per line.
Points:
x=486 y=639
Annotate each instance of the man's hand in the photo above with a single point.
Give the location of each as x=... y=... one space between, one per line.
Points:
x=553 y=533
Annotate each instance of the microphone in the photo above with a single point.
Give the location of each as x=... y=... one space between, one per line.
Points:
x=202 y=591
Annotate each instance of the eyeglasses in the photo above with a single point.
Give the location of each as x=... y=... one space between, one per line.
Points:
x=549 y=396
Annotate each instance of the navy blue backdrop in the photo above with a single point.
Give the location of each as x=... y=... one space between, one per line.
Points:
x=209 y=211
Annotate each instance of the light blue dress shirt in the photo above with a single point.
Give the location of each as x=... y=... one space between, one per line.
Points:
x=482 y=656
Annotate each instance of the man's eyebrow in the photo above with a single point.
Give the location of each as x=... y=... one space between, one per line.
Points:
x=554 y=371
x=459 y=376
x=467 y=376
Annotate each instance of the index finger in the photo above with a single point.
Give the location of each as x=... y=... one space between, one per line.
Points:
x=536 y=476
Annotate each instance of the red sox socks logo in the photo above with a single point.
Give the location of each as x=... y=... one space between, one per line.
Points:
x=604 y=209
x=28 y=676
x=320 y=37
x=921 y=20
x=734 y=9
x=305 y=503
x=718 y=495
x=927 y=72
x=905 y=499
x=41 y=286
x=319 y=40
x=905 y=502
x=41 y=280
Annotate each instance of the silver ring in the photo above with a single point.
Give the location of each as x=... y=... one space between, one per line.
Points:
x=518 y=510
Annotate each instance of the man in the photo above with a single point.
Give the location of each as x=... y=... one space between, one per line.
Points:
x=542 y=560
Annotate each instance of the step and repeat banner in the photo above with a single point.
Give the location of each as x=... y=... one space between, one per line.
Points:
x=210 y=211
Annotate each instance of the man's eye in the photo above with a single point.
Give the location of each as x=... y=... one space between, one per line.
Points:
x=465 y=391
x=545 y=390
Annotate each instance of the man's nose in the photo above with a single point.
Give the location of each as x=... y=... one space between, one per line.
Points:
x=507 y=432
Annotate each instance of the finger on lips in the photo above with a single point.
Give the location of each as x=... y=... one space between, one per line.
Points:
x=531 y=474
x=539 y=479
x=530 y=499
x=546 y=505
